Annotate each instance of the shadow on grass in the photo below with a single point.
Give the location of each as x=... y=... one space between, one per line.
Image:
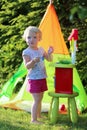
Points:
x=66 y=124
x=6 y=125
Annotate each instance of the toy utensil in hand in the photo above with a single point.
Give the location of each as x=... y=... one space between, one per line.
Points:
x=50 y=50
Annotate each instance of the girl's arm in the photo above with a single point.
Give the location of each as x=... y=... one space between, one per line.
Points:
x=48 y=55
x=30 y=63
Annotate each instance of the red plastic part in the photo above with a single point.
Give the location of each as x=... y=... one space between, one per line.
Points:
x=64 y=80
x=74 y=35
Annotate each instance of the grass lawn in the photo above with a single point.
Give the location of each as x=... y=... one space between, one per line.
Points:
x=20 y=120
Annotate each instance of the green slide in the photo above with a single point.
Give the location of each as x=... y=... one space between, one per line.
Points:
x=9 y=86
x=81 y=100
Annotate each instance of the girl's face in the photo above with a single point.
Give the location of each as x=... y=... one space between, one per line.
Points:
x=32 y=40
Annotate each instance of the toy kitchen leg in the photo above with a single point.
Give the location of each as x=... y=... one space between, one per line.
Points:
x=54 y=110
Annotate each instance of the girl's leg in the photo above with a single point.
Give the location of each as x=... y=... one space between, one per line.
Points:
x=39 y=106
x=35 y=106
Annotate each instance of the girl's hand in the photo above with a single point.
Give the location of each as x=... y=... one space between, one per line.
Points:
x=37 y=59
x=50 y=50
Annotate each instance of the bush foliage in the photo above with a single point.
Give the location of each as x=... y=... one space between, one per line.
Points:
x=16 y=15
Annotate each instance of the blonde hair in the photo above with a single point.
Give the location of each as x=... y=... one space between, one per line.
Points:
x=32 y=29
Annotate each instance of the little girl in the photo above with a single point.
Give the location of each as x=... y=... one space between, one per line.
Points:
x=33 y=57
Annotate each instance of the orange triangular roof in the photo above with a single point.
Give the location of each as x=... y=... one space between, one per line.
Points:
x=51 y=32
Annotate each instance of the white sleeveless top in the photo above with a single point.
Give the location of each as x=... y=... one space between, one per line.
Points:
x=39 y=70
